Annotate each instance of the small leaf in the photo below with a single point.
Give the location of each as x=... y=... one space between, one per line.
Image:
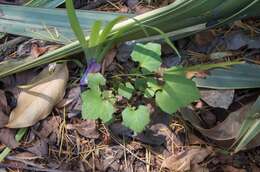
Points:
x=126 y=90
x=149 y=93
x=136 y=119
x=152 y=86
x=176 y=92
x=95 y=80
x=140 y=84
x=94 y=36
x=148 y=55
x=36 y=102
x=95 y=107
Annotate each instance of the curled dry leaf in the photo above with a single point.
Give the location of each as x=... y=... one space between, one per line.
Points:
x=108 y=59
x=188 y=160
x=36 y=102
x=226 y=130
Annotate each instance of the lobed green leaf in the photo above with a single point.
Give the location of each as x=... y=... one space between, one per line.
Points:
x=148 y=55
x=136 y=119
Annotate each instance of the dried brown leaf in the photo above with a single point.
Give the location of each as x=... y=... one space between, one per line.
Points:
x=108 y=59
x=229 y=168
x=86 y=129
x=3 y=102
x=7 y=137
x=50 y=126
x=36 y=103
x=186 y=160
x=36 y=51
x=4 y=119
x=226 y=130
x=39 y=148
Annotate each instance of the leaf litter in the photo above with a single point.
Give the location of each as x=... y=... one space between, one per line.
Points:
x=58 y=137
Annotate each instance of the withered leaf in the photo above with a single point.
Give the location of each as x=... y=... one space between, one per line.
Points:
x=4 y=119
x=187 y=160
x=7 y=137
x=36 y=102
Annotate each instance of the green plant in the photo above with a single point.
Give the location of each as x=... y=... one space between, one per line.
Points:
x=168 y=87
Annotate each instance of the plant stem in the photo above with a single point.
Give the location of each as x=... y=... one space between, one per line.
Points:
x=133 y=74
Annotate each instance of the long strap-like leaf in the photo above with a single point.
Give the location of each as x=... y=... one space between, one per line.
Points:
x=177 y=16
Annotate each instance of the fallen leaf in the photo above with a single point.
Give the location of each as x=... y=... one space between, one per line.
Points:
x=226 y=130
x=209 y=119
x=119 y=129
x=229 y=168
x=204 y=38
x=186 y=160
x=25 y=156
x=36 y=103
x=25 y=48
x=39 y=148
x=170 y=137
x=71 y=97
x=50 y=126
x=3 y=102
x=142 y=9
x=132 y=3
x=108 y=59
x=36 y=51
x=86 y=129
x=218 y=98
x=194 y=140
x=151 y=138
x=7 y=137
x=4 y=119
x=255 y=168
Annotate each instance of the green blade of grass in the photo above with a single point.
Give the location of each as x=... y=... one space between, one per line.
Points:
x=94 y=35
x=108 y=28
x=74 y=23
